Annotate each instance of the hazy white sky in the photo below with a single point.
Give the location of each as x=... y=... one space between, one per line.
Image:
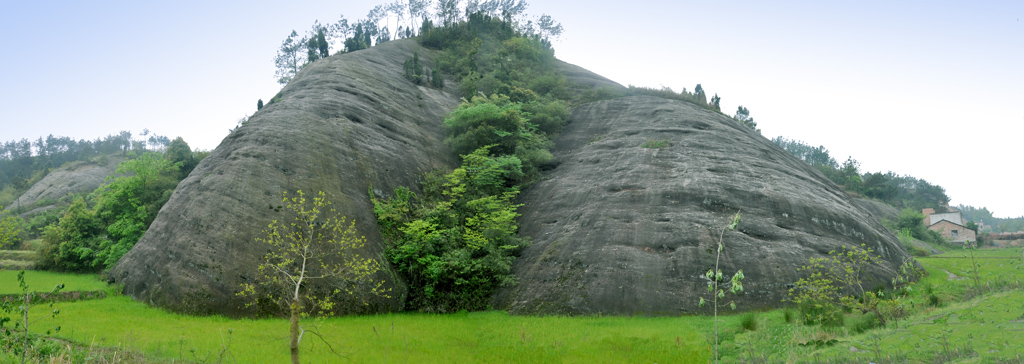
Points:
x=930 y=89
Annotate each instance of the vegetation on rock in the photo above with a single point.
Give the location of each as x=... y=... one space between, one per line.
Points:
x=455 y=245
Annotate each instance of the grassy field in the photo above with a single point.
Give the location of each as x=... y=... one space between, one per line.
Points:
x=987 y=327
x=479 y=337
x=42 y=281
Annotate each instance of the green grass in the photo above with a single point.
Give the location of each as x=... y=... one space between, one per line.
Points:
x=42 y=281
x=479 y=337
x=990 y=324
x=654 y=144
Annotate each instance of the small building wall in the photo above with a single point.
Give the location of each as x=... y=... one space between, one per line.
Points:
x=953 y=217
x=927 y=215
x=953 y=232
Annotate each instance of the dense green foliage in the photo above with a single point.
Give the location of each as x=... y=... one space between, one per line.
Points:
x=11 y=227
x=92 y=235
x=836 y=283
x=898 y=191
x=505 y=127
x=911 y=222
x=455 y=245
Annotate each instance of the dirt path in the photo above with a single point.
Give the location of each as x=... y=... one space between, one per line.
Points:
x=951 y=277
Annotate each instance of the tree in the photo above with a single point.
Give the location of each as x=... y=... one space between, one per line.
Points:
x=743 y=116
x=314 y=245
x=448 y=12
x=716 y=102
x=548 y=28
x=312 y=50
x=456 y=246
x=71 y=243
x=10 y=230
x=836 y=283
x=323 y=45
x=180 y=154
x=259 y=104
x=288 y=58
x=698 y=93
x=715 y=277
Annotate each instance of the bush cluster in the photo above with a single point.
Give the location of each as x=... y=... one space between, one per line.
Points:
x=455 y=245
x=95 y=231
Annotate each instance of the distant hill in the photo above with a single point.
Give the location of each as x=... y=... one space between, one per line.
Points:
x=78 y=177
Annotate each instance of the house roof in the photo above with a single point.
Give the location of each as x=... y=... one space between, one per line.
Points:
x=948 y=222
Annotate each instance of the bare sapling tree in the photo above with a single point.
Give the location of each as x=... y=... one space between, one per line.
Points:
x=717 y=285
x=315 y=244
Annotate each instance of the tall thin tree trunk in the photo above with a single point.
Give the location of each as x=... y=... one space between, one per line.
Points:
x=295 y=331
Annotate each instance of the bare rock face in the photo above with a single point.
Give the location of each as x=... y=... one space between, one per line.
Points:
x=78 y=177
x=344 y=124
x=879 y=210
x=619 y=228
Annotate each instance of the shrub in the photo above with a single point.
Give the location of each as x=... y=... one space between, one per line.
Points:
x=749 y=322
x=499 y=124
x=456 y=245
x=865 y=322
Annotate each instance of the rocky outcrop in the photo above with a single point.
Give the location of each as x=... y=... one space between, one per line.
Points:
x=78 y=177
x=620 y=228
x=879 y=210
x=342 y=125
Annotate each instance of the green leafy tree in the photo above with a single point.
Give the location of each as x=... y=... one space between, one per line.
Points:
x=716 y=280
x=701 y=97
x=456 y=246
x=497 y=122
x=10 y=230
x=314 y=245
x=836 y=282
x=743 y=116
x=71 y=244
x=288 y=60
x=413 y=69
x=180 y=154
x=436 y=79
x=322 y=44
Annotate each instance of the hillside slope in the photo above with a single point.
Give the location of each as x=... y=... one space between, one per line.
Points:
x=343 y=124
x=78 y=177
x=623 y=229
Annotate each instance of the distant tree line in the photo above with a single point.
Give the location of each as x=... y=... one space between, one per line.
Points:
x=22 y=162
x=991 y=223
x=899 y=191
x=397 y=20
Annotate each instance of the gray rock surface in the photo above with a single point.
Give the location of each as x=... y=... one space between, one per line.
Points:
x=77 y=177
x=341 y=125
x=879 y=210
x=622 y=229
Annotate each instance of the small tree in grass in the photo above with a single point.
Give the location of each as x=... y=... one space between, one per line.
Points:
x=29 y=299
x=314 y=245
x=837 y=282
x=717 y=285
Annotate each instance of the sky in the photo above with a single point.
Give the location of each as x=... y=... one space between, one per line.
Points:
x=930 y=89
